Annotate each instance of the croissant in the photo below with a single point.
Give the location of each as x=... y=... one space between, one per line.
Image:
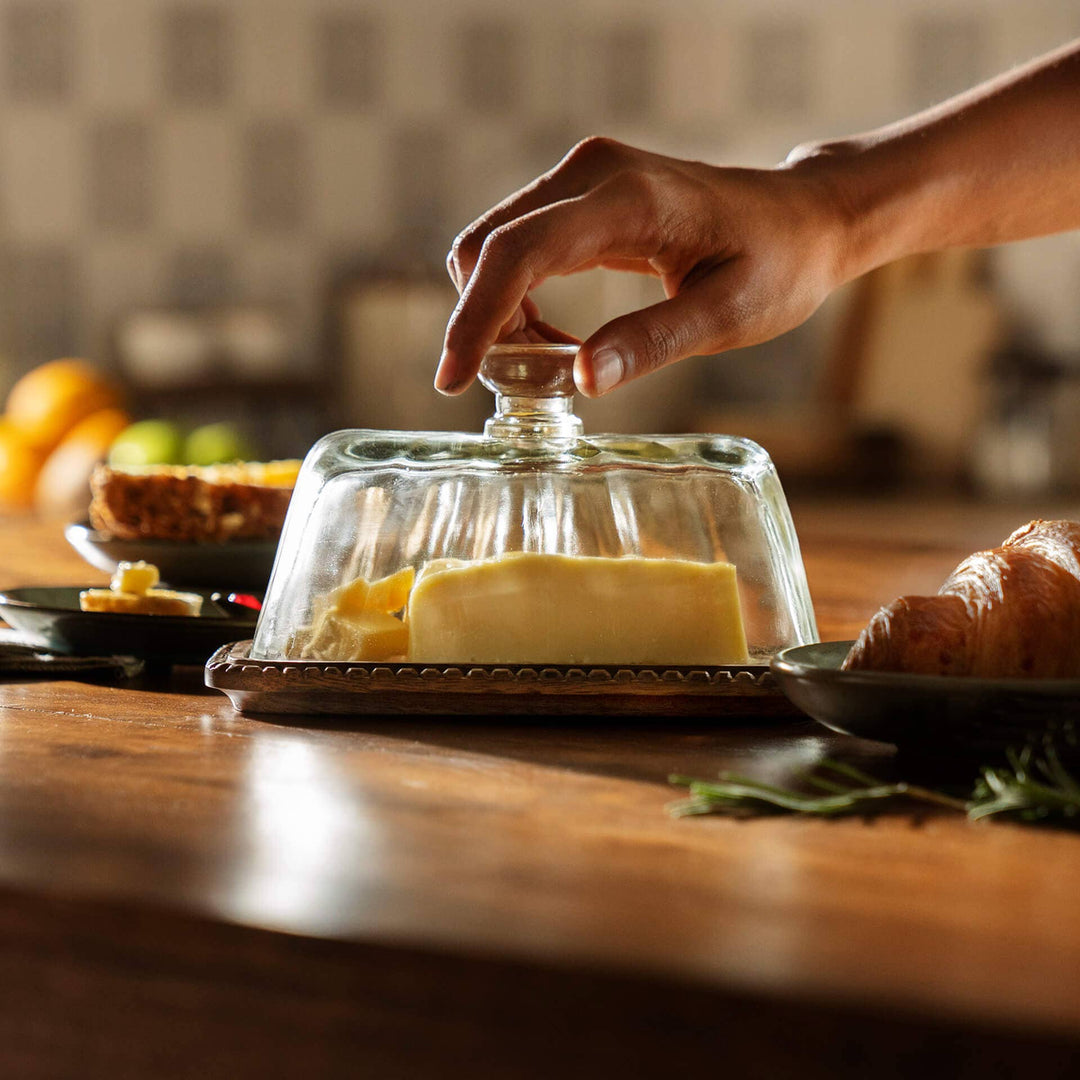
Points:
x=1010 y=612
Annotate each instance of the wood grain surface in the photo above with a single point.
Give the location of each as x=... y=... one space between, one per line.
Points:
x=188 y=892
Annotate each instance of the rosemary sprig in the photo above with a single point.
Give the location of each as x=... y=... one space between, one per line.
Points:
x=1031 y=786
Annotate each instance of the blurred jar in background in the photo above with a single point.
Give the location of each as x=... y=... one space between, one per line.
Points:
x=1028 y=442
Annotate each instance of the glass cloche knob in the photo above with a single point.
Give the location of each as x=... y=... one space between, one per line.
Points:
x=534 y=391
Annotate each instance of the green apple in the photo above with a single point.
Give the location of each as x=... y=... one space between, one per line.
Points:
x=147 y=442
x=214 y=443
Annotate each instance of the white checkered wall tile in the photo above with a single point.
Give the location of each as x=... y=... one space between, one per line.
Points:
x=778 y=67
x=43 y=193
x=351 y=188
x=120 y=57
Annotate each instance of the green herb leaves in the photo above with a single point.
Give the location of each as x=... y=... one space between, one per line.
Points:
x=1033 y=786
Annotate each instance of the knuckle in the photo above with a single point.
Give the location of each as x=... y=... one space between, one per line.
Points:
x=596 y=151
x=465 y=250
x=661 y=343
x=639 y=188
x=742 y=320
x=653 y=344
x=507 y=244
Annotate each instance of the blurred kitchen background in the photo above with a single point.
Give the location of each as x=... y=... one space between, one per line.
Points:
x=242 y=208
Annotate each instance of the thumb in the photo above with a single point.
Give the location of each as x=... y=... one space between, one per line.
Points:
x=642 y=341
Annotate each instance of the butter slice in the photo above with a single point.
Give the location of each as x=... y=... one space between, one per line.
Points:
x=531 y=608
x=386 y=595
x=135 y=577
x=355 y=620
x=371 y=635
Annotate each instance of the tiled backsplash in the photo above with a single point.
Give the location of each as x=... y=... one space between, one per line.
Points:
x=190 y=150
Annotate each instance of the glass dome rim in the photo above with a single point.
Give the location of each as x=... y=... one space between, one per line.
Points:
x=754 y=455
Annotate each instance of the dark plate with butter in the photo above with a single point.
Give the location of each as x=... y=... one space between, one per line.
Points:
x=234 y=564
x=52 y=617
x=924 y=712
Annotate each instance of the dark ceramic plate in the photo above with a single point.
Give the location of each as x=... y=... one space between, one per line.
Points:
x=236 y=565
x=923 y=711
x=52 y=617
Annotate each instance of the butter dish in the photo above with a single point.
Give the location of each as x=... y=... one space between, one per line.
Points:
x=532 y=545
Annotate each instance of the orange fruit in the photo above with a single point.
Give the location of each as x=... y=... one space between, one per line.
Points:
x=47 y=402
x=63 y=484
x=20 y=463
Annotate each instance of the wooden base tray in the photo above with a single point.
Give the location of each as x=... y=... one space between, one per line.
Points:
x=345 y=688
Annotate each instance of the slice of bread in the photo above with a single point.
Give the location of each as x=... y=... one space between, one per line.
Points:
x=152 y=602
x=242 y=501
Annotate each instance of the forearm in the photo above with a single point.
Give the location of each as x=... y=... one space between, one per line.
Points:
x=999 y=163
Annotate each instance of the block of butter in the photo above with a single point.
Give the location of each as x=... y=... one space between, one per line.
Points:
x=532 y=608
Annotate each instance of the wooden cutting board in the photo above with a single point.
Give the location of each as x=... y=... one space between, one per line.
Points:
x=913 y=355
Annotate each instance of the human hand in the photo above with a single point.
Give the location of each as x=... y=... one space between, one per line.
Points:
x=743 y=255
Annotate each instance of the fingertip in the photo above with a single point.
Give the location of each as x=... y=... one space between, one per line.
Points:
x=453 y=389
x=447 y=379
x=598 y=371
x=583 y=378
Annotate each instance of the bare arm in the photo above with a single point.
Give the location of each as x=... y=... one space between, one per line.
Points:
x=998 y=163
x=746 y=254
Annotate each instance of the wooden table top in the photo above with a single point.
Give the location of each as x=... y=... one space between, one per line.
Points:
x=420 y=897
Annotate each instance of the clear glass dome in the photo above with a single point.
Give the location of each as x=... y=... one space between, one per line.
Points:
x=535 y=543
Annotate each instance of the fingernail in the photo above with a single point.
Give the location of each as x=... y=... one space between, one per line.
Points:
x=444 y=378
x=607 y=369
